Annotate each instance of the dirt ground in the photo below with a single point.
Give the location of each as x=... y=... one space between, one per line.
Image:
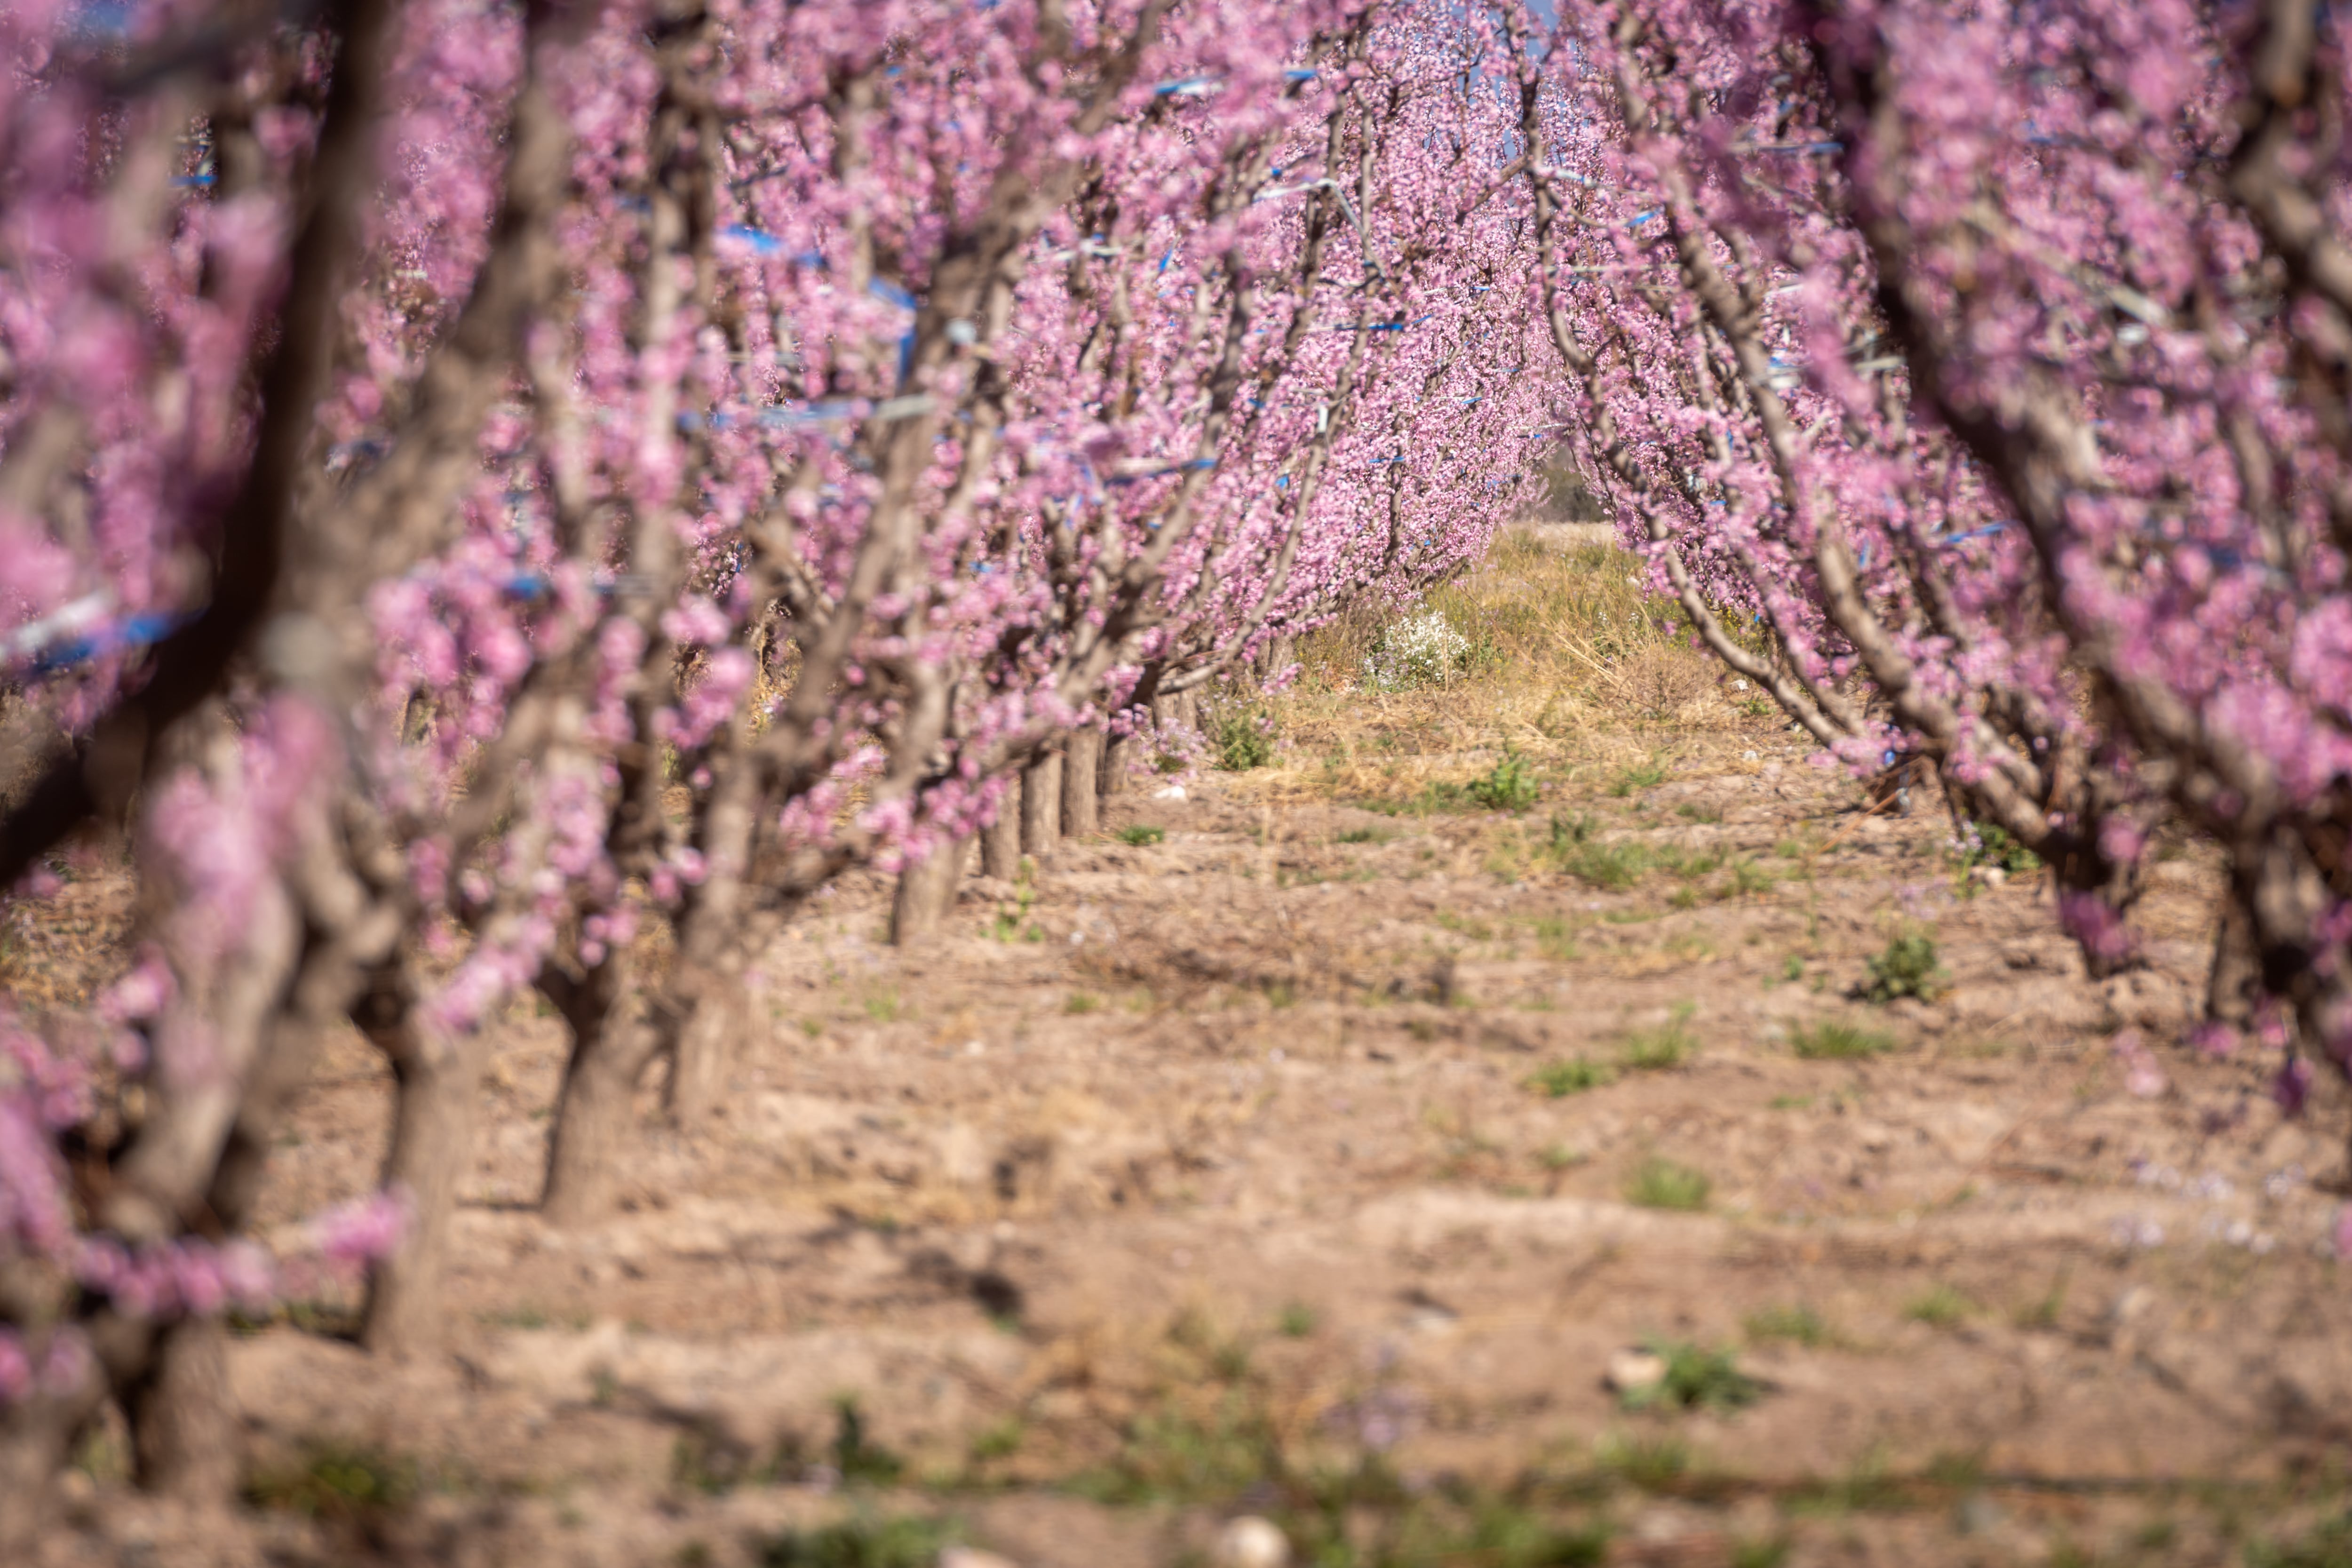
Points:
x=1324 y=1156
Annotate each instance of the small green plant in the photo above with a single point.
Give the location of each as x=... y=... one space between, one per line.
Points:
x=2044 y=1312
x=1907 y=968
x=1694 y=811
x=1613 y=868
x=856 y=1456
x=1557 y=1080
x=1296 y=1321
x=2326 y=1545
x=1661 y=1183
x=1011 y=922
x=1568 y=832
x=1365 y=835
x=885 y=1007
x=1771 y=1552
x=1696 y=1378
x=1000 y=1441
x=1833 y=1040
x=1140 y=834
x=1661 y=1046
x=1792 y=968
x=1941 y=1308
x=1632 y=781
x=1798 y=1325
x=701 y=1461
x=902 y=1540
x=1651 y=1463
x=1990 y=844
x=1509 y=785
x=1748 y=877
x=340 y=1483
x=1241 y=737
x=1558 y=1157
x=1079 y=1004
x=1554 y=940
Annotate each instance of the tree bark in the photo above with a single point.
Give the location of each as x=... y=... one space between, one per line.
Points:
x=2235 y=978
x=1000 y=841
x=183 y=1425
x=1041 y=806
x=1118 y=756
x=437 y=1095
x=1081 y=771
x=927 y=893
x=612 y=1045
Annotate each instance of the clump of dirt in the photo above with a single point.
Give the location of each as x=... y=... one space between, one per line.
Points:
x=1444 y=1184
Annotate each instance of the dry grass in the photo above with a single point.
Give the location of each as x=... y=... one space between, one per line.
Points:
x=1570 y=665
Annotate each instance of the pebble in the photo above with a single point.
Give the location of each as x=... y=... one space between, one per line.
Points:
x=972 y=1557
x=1250 y=1542
x=1632 y=1369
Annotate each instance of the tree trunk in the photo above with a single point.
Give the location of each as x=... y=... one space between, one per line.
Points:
x=2235 y=978
x=1118 y=756
x=1041 y=806
x=1081 y=768
x=437 y=1091
x=1000 y=841
x=927 y=893
x=612 y=1045
x=704 y=1061
x=184 y=1437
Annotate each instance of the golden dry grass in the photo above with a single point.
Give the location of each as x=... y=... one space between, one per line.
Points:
x=1572 y=666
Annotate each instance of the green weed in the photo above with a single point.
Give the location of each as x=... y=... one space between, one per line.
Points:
x=1790 y=1325
x=856 y=1456
x=1000 y=1441
x=1568 y=832
x=342 y=1483
x=1509 y=785
x=1241 y=737
x=1941 y=1308
x=902 y=1540
x=1554 y=940
x=1696 y=1378
x=1990 y=844
x=2326 y=1545
x=1661 y=1183
x=1012 y=922
x=1662 y=1047
x=1651 y=1463
x=1833 y=1040
x=1141 y=833
x=1648 y=775
x=1613 y=868
x=1557 y=1080
x=1907 y=968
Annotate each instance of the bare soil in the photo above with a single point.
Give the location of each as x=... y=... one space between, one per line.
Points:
x=1219 y=1175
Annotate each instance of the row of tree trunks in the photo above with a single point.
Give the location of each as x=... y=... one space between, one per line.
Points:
x=1059 y=795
